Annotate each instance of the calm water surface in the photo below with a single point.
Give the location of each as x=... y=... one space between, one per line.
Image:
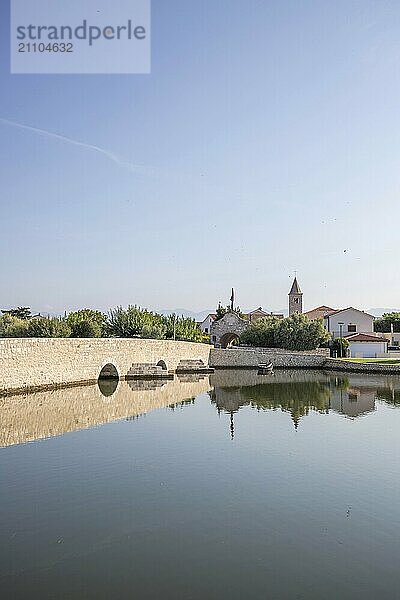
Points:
x=234 y=486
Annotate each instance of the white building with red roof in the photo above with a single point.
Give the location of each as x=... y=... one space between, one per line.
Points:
x=364 y=345
x=348 y=321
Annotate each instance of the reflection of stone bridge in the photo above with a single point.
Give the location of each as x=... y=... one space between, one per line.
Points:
x=39 y=363
x=45 y=414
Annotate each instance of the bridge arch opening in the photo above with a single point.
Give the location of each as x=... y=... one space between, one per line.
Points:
x=229 y=339
x=109 y=371
x=162 y=364
x=108 y=380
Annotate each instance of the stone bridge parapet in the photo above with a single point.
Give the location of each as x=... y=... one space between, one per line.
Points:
x=36 y=363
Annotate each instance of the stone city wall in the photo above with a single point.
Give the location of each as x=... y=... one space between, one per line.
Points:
x=354 y=367
x=252 y=357
x=46 y=362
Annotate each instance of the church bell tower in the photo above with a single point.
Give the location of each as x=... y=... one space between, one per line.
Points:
x=295 y=298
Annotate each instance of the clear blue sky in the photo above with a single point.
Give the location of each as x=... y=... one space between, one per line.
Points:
x=266 y=140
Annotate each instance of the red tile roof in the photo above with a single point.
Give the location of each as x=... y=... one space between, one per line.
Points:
x=319 y=313
x=366 y=337
x=336 y=312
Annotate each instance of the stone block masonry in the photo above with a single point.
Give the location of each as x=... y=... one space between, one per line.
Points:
x=354 y=367
x=39 y=363
x=240 y=358
x=250 y=358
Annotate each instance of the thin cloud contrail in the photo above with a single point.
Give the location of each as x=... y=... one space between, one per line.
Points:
x=62 y=138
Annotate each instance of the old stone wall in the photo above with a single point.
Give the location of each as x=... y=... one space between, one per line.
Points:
x=247 y=358
x=39 y=362
x=252 y=357
x=353 y=367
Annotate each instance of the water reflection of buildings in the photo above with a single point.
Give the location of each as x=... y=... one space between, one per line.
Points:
x=295 y=397
x=300 y=392
x=353 y=401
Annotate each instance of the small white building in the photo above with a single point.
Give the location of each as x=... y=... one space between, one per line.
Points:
x=205 y=325
x=348 y=321
x=363 y=345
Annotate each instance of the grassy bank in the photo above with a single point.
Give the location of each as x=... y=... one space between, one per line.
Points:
x=384 y=361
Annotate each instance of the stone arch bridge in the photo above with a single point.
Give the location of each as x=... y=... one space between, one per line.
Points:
x=37 y=363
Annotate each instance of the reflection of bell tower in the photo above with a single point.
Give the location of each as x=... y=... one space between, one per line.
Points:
x=295 y=298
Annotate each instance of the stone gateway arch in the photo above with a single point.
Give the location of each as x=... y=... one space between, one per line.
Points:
x=227 y=331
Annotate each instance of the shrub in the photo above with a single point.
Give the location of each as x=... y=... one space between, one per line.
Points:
x=86 y=323
x=261 y=333
x=48 y=327
x=184 y=327
x=22 y=312
x=13 y=327
x=340 y=346
x=135 y=322
x=221 y=311
x=293 y=333
x=299 y=333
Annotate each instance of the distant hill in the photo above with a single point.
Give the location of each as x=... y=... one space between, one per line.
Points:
x=378 y=312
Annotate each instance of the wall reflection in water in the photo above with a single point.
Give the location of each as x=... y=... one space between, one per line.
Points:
x=51 y=413
x=25 y=418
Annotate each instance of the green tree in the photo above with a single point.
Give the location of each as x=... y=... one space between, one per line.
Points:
x=261 y=333
x=293 y=333
x=48 y=327
x=222 y=310
x=340 y=346
x=299 y=333
x=13 y=327
x=86 y=323
x=21 y=312
x=184 y=329
x=384 y=324
x=135 y=322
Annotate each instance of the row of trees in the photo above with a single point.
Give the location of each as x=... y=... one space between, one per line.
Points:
x=387 y=321
x=293 y=333
x=119 y=322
